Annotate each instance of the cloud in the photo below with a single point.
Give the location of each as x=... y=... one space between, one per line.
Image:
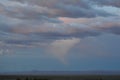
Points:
x=59 y=24
x=80 y=27
x=115 y=3
x=60 y=48
x=98 y=25
x=5 y=49
x=28 y=32
x=28 y=9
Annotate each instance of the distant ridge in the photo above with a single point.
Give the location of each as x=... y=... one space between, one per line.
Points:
x=63 y=73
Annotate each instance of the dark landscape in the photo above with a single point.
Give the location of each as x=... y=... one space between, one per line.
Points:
x=61 y=75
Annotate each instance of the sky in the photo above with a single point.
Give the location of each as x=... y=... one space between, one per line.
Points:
x=59 y=35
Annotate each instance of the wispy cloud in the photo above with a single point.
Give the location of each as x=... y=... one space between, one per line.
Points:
x=60 y=48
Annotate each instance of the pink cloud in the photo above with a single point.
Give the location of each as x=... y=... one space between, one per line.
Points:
x=60 y=48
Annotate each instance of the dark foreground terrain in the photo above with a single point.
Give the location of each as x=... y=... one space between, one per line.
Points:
x=47 y=77
x=57 y=75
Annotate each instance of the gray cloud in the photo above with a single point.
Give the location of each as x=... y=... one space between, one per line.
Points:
x=27 y=33
x=35 y=23
x=114 y=3
x=90 y=27
x=29 y=9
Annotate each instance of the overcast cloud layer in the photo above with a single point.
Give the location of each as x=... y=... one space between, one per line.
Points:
x=51 y=23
